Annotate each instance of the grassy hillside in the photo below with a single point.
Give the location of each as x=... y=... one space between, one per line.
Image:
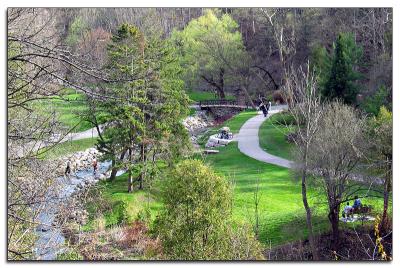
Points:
x=205 y=95
x=68 y=147
x=67 y=108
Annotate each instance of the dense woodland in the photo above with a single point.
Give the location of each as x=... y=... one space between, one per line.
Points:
x=130 y=73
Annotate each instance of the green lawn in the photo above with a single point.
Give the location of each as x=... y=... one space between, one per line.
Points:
x=281 y=209
x=68 y=147
x=282 y=215
x=205 y=95
x=114 y=193
x=273 y=140
x=67 y=108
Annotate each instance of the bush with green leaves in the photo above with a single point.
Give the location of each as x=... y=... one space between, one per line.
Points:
x=372 y=104
x=195 y=223
x=69 y=255
x=283 y=118
x=119 y=212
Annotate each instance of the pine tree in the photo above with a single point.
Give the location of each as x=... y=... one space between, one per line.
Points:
x=338 y=73
x=148 y=103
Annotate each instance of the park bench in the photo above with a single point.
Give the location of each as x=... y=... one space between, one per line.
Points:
x=359 y=214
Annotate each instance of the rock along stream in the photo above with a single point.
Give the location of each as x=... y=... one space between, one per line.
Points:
x=51 y=240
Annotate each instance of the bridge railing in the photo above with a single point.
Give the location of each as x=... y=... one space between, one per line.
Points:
x=221 y=103
x=217 y=102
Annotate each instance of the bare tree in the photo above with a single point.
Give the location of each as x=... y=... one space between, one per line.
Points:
x=37 y=63
x=283 y=23
x=334 y=153
x=301 y=87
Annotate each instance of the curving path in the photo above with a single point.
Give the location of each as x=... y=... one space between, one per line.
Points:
x=248 y=141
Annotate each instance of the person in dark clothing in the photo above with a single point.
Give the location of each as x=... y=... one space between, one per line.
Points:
x=68 y=169
x=263 y=108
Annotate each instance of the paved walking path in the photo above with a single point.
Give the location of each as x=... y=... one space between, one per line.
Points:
x=248 y=141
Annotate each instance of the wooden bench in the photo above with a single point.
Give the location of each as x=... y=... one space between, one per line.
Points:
x=363 y=209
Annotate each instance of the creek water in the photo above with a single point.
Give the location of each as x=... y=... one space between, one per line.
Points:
x=51 y=240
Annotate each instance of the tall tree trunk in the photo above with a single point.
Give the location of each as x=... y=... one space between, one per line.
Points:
x=221 y=83
x=218 y=85
x=130 y=180
x=114 y=169
x=334 y=220
x=308 y=215
x=143 y=172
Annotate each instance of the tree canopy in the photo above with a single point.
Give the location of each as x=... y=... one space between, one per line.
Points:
x=211 y=47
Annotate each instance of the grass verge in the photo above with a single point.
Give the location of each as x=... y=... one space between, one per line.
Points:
x=67 y=148
x=272 y=138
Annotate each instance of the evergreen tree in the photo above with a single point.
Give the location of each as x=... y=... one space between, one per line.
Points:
x=338 y=73
x=147 y=103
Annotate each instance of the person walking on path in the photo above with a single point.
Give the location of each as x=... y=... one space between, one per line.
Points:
x=269 y=106
x=94 y=167
x=263 y=108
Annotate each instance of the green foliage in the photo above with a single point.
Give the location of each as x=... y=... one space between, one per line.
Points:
x=151 y=100
x=120 y=210
x=337 y=72
x=244 y=244
x=210 y=47
x=283 y=118
x=197 y=203
x=69 y=255
x=321 y=62
x=381 y=131
x=195 y=221
x=372 y=104
x=144 y=215
x=139 y=204
x=77 y=28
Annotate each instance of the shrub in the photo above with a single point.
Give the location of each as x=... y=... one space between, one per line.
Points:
x=137 y=239
x=197 y=203
x=144 y=215
x=283 y=118
x=373 y=103
x=121 y=211
x=195 y=222
x=244 y=244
